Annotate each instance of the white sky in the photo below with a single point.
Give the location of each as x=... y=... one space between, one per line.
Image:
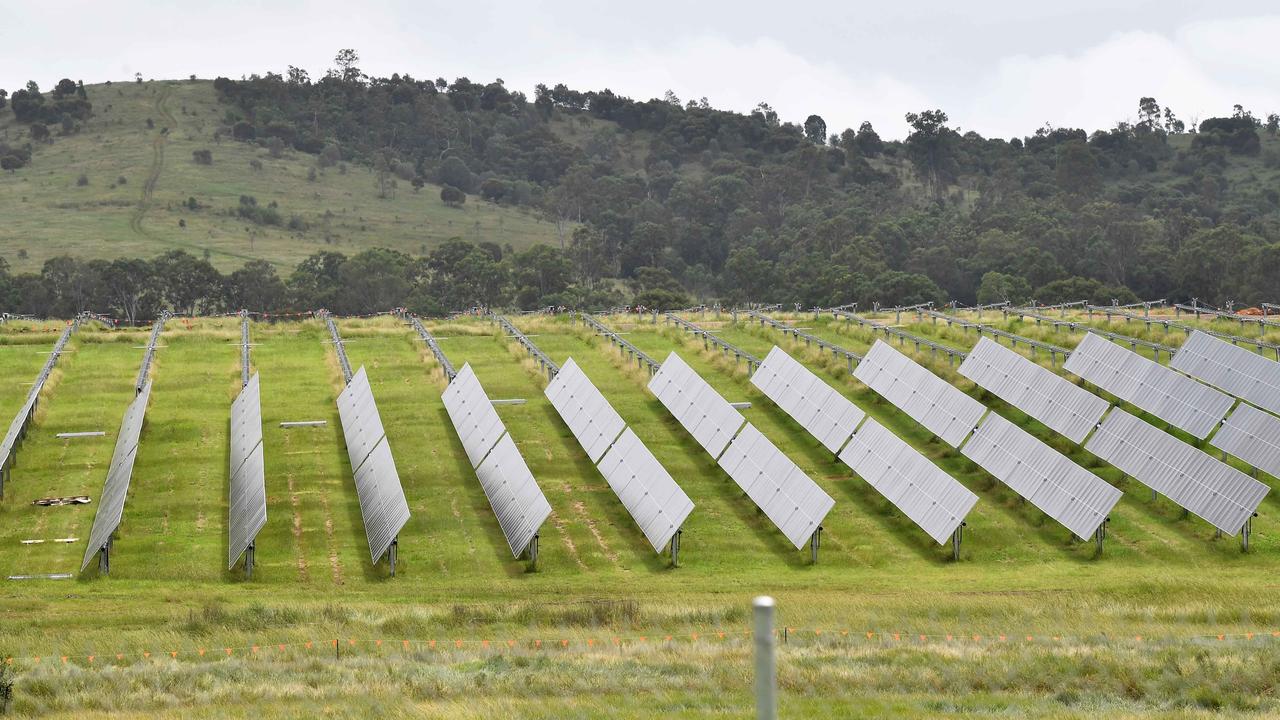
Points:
x=1002 y=68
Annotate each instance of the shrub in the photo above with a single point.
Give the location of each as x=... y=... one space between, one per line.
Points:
x=255 y=165
x=122 y=180
x=452 y=196
x=202 y=157
x=311 y=174
x=82 y=180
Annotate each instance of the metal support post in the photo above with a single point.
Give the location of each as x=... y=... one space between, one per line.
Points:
x=1245 y=531
x=956 y=538
x=815 y=541
x=248 y=561
x=532 y=550
x=392 y=552
x=766 y=679
x=675 y=548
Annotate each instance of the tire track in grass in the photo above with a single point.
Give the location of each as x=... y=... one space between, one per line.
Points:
x=157 y=163
x=296 y=503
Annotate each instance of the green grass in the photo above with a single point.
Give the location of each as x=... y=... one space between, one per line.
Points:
x=46 y=213
x=1161 y=577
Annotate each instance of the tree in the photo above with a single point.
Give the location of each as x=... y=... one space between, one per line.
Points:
x=815 y=128
x=1077 y=169
x=346 y=60
x=1273 y=121
x=255 y=286
x=188 y=284
x=540 y=272
x=202 y=157
x=453 y=171
x=315 y=282
x=932 y=148
x=373 y=280
x=65 y=88
x=3 y=95
x=998 y=287
x=452 y=196
x=130 y=284
x=869 y=143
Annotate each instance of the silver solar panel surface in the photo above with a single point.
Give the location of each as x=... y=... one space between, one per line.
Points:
x=514 y=495
x=1039 y=392
x=931 y=498
x=15 y=427
x=700 y=409
x=590 y=417
x=116 y=487
x=361 y=423
x=382 y=502
x=646 y=489
x=1049 y=480
x=931 y=401
x=383 y=507
x=1241 y=372
x=1253 y=436
x=247 y=513
x=819 y=408
x=1202 y=484
x=472 y=413
x=788 y=497
x=1169 y=395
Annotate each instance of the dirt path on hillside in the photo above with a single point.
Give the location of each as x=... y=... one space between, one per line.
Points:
x=169 y=122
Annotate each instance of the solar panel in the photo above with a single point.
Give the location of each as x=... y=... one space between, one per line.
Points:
x=931 y=498
x=1253 y=436
x=361 y=423
x=472 y=413
x=382 y=503
x=247 y=512
x=1241 y=372
x=1172 y=397
x=383 y=507
x=941 y=408
x=1060 y=488
x=824 y=412
x=646 y=489
x=16 y=427
x=514 y=495
x=116 y=488
x=788 y=497
x=1035 y=390
x=590 y=417
x=1211 y=489
x=700 y=409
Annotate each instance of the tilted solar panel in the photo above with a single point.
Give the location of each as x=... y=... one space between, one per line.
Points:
x=931 y=498
x=1241 y=372
x=590 y=417
x=646 y=489
x=931 y=401
x=1174 y=398
x=788 y=497
x=700 y=409
x=361 y=423
x=820 y=409
x=1049 y=480
x=383 y=507
x=1035 y=390
x=116 y=487
x=472 y=413
x=1253 y=436
x=1211 y=489
x=514 y=495
x=247 y=495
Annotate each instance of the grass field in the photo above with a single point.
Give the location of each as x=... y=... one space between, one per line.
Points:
x=1168 y=622
x=47 y=213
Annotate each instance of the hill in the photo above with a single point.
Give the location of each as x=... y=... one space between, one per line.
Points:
x=135 y=155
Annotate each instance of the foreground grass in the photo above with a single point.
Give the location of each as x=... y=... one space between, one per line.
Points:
x=1134 y=633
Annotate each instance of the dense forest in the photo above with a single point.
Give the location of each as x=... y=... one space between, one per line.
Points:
x=665 y=203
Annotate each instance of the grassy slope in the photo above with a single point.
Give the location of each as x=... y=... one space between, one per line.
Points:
x=169 y=591
x=47 y=214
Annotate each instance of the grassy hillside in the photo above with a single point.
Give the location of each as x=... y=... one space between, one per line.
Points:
x=1168 y=622
x=47 y=213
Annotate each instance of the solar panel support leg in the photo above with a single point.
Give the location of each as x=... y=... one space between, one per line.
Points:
x=392 y=552
x=104 y=559
x=532 y=550
x=815 y=541
x=1099 y=535
x=1245 y=531
x=956 y=538
x=675 y=548
x=248 y=562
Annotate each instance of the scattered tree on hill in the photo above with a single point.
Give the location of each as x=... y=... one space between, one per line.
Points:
x=452 y=196
x=202 y=157
x=815 y=129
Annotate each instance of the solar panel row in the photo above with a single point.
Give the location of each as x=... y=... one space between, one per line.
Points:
x=928 y=399
x=1035 y=390
x=825 y=413
x=247 y=499
x=383 y=507
x=1211 y=489
x=1241 y=372
x=708 y=417
x=116 y=487
x=1171 y=396
x=511 y=489
x=590 y=417
x=1253 y=436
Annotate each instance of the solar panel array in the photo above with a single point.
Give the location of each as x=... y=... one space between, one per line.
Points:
x=248 y=493
x=1061 y=489
x=789 y=497
x=1253 y=436
x=513 y=493
x=1236 y=370
x=590 y=417
x=145 y=368
x=646 y=489
x=383 y=507
x=708 y=417
x=1211 y=489
x=924 y=493
x=820 y=409
x=116 y=487
x=1035 y=390
x=928 y=399
x=19 y=423
x=1171 y=396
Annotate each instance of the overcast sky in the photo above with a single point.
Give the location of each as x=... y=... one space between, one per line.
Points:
x=1001 y=68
